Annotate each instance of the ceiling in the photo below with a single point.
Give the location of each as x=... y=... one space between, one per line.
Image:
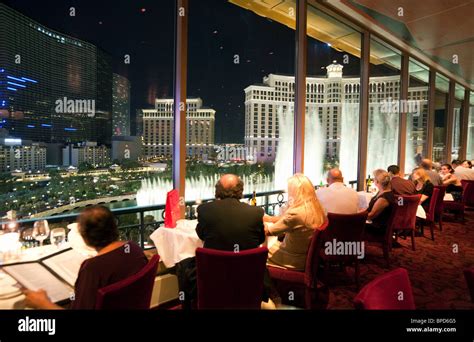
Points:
x=442 y=29
x=437 y=29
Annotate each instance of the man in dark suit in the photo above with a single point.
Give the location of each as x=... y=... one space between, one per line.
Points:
x=400 y=186
x=228 y=224
x=225 y=224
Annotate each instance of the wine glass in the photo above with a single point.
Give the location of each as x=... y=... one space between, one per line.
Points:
x=58 y=236
x=40 y=231
x=26 y=237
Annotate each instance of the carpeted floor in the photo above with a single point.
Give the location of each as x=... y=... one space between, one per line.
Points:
x=435 y=269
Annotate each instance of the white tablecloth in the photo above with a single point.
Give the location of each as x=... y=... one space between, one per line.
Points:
x=448 y=197
x=176 y=244
x=365 y=197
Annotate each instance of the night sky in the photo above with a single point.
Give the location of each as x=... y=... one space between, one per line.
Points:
x=218 y=31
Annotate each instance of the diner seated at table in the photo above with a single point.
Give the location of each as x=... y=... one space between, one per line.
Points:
x=453 y=183
x=462 y=170
x=400 y=186
x=228 y=224
x=297 y=221
x=423 y=186
x=224 y=224
x=337 y=198
x=427 y=165
x=116 y=260
x=380 y=206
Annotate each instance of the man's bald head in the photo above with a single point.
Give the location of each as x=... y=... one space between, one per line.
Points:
x=229 y=186
x=335 y=176
x=426 y=164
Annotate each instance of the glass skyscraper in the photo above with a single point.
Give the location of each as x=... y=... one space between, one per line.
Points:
x=53 y=88
x=121 y=106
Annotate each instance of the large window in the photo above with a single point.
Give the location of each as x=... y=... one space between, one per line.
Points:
x=441 y=102
x=458 y=112
x=332 y=97
x=79 y=116
x=470 y=129
x=241 y=95
x=417 y=114
x=384 y=96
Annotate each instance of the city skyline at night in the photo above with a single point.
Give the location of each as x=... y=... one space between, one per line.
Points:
x=222 y=61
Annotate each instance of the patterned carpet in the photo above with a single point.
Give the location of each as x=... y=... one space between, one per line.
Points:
x=435 y=270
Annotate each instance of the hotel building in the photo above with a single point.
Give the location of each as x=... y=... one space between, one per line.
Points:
x=158 y=129
x=327 y=99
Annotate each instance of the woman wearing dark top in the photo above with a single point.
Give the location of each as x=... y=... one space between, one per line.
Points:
x=115 y=261
x=453 y=183
x=423 y=186
x=380 y=206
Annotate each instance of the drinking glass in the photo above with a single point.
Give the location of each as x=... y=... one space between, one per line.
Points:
x=58 y=236
x=40 y=231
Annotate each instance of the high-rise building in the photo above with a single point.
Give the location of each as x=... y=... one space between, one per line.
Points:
x=17 y=154
x=53 y=88
x=126 y=148
x=327 y=99
x=158 y=129
x=86 y=153
x=121 y=106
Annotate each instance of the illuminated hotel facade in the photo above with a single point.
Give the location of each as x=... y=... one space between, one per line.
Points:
x=20 y=155
x=158 y=129
x=41 y=68
x=327 y=98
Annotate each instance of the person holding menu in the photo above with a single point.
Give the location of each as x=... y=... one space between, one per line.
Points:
x=115 y=261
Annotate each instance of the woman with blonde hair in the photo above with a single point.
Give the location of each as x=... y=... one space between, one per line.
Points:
x=298 y=220
x=423 y=186
x=380 y=206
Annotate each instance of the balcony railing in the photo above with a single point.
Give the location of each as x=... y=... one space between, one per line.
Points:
x=137 y=223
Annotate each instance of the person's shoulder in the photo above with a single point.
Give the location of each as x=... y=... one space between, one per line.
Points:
x=132 y=246
x=389 y=196
x=251 y=208
x=350 y=190
x=205 y=206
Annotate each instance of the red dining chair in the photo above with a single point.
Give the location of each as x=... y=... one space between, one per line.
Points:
x=469 y=275
x=230 y=280
x=439 y=208
x=390 y=291
x=345 y=229
x=467 y=199
x=133 y=292
x=431 y=214
x=468 y=192
x=402 y=218
x=301 y=284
